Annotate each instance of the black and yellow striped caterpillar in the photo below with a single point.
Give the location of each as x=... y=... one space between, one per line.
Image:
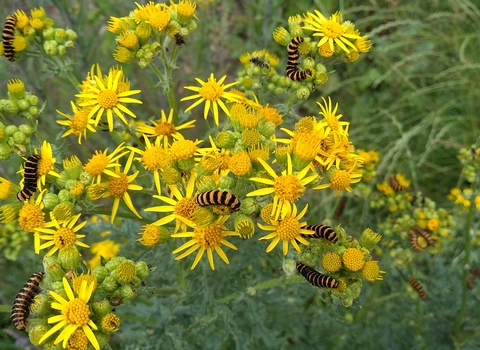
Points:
x=23 y=300
x=322 y=231
x=218 y=197
x=7 y=37
x=424 y=234
x=340 y=207
x=30 y=178
x=418 y=287
x=395 y=184
x=260 y=63
x=413 y=241
x=315 y=277
x=292 y=70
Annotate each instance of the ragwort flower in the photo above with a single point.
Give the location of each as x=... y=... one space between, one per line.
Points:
x=100 y=163
x=45 y=164
x=78 y=124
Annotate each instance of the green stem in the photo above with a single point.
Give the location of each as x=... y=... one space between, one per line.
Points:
x=291 y=100
x=167 y=83
x=468 y=247
x=276 y=282
x=73 y=80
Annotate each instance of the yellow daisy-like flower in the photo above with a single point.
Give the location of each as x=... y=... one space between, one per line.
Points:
x=6 y=188
x=158 y=16
x=100 y=163
x=59 y=235
x=332 y=119
x=107 y=97
x=155 y=158
x=45 y=164
x=163 y=129
x=287 y=187
x=211 y=91
x=118 y=188
x=341 y=180
x=331 y=30
x=106 y=249
x=181 y=206
x=207 y=238
x=31 y=216
x=75 y=314
x=78 y=124
x=22 y=19
x=287 y=229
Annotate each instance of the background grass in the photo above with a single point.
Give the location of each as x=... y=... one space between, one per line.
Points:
x=414 y=97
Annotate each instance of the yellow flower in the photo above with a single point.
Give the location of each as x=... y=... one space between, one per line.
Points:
x=341 y=180
x=353 y=259
x=331 y=262
x=331 y=30
x=158 y=16
x=287 y=229
x=181 y=206
x=78 y=124
x=6 y=188
x=31 y=216
x=74 y=314
x=211 y=91
x=155 y=158
x=207 y=238
x=106 y=249
x=106 y=96
x=371 y=271
x=100 y=163
x=332 y=119
x=63 y=236
x=45 y=164
x=164 y=129
x=118 y=188
x=287 y=187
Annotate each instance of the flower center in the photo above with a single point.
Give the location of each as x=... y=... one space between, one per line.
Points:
x=111 y=323
x=129 y=40
x=79 y=123
x=118 y=185
x=97 y=164
x=36 y=23
x=186 y=9
x=44 y=166
x=240 y=164
x=154 y=158
x=211 y=91
x=30 y=217
x=77 y=312
x=332 y=29
x=159 y=18
x=185 y=207
x=332 y=121
x=183 y=149
x=5 y=189
x=64 y=237
x=126 y=271
x=209 y=236
x=78 y=341
x=288 y=229
x=165 y=128
x=341 y=180
x=288 y=188
x=107 y=98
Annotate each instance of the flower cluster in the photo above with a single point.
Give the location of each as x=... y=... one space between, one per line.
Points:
x=348 y=261
x=150 y=28
x=37 y=31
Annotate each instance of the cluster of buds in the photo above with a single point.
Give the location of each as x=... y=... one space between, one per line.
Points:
x=12 y=240
x=151 y=28
x=470 y=160
x=348 y=261
x=39 y=30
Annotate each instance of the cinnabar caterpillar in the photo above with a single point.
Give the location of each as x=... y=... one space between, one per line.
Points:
x=322 y=231
x=413 y=241
x=395 y=184
x=7 y=37
x=218 y=197
x=315 y=277
x=259 y=62
x=424 y=234
x=292 y=70
x=30 y=178
x=23 y=300
x=418 y=287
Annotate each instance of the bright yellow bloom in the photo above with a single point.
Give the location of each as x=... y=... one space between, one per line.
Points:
x=106 y=249
x=63 y=235
x=31 y=216
x=74 y=314
x=78 y=124
x=100 y=163
x=181 y=206
x=341 y=180
x=332 y=30
x=45 y=165
x=287 y=187
x=163 y=129
x=206 y=239
x=211 y=91
x=107 y=96
x=332 y=119
x=287 y=229
x=118 y=188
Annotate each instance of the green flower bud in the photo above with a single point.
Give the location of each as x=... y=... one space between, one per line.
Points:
x=40 y=306
x=85 y=178
x=21 y=150
x=32 y=99
x=226 y=183
x=101 y=307
x=36 y=333
x=71 y=34
x=11 y=107
x=102 y=338
x=250 y=206
x=60 y=35
x=19 y=138
x=127 y=293
x=63 y=211
x=347 y=302
x=30 y=33
x=203 y=216
x=126 y=271
x=205 y=183
x=282 y=36
x=73 y=167
x=32 y=112
x=186 y=164
x=57 y=287
x=11 y=129
x=191 y=26
x=62 y=50
x=225 y=139
x=114 y=262
x=65 y=196
x=50 y=47
x=142 y=269
x=171 y=176
x=50 y=200
x=26 y=129
x=303 y=93
x=53 y=268
x=100 y=272
x=136 y=281
x=69 y=257
x=257 y=85
x=244 y=226
x=266 y=128
x=290 y=267
x=49 y=33
x=110 y=284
